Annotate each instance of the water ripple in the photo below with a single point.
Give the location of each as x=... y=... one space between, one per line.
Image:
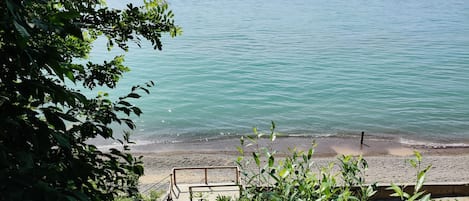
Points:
x=387 y=67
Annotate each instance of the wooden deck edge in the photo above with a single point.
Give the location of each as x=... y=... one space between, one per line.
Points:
x=436 y=190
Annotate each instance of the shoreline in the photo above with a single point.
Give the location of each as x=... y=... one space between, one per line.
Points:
x=324 y=146
x=169 y=143
x=386 y=157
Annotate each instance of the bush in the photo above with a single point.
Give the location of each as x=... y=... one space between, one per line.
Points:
x=152 y=196
x=45 y=121
x=292 y=178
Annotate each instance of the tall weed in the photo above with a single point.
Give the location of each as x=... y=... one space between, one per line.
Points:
x=417 y=194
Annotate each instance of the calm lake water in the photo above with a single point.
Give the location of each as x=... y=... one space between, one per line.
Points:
x=325 y=67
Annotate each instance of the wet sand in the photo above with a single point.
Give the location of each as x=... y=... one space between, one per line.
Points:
x=386 y=157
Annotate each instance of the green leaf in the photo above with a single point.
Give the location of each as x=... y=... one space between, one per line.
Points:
x=138 y=169
x=406 y=195
x=145 y=90
x=415 y=196
x=129 y=123
x=271 y=161
x=125 y=103
x=413 y=163
x=273 y=136
x=364 y=163
x=284 y=172
x=420 y=180
x=418 y=156
x=23 y=32
x=150 y=84
x=256 y=158
x=250 y=138
x=397 y=190
x=240 y=150
x=68 y=117
x=427 y=197
x=70 y=76
x=240 y=158
x=133 y=95
x=61 y=140
x=137 y=111
x=3 y=99
x=310 y=153
x=272 y=174
x=54 y=120
x=427 y=168
x=370 y=191
x=259 y=135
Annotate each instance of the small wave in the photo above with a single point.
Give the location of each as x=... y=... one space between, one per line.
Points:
x=434 y=145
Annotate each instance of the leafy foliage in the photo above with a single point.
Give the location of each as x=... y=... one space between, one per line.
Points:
x=417 y=194
x=152 y=196
x=45 y=124
x=293 y=177
x=223 y=198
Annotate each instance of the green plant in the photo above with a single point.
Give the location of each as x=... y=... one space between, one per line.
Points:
x=46 y=123
x=293 y=178
x=200 y=196
x=255 y=176
x=353 y=174
x=152 y=196
x=223 y=198
x=417 y=194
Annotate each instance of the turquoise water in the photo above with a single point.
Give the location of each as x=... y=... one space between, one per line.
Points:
x=326 y=67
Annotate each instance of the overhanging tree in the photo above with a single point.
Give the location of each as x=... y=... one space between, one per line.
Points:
x=44 y=124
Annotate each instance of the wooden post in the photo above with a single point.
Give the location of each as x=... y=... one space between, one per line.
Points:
x=170 y=197
x=361 y=141
x=174 y=177
x=206 y=180
x=190 y=193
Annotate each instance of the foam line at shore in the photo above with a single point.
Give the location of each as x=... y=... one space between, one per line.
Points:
x=435 y=145
x=324 y=146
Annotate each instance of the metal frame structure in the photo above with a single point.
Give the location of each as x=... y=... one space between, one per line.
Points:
x=175 y=190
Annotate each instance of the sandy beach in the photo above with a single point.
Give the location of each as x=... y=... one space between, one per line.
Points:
x=386 y=157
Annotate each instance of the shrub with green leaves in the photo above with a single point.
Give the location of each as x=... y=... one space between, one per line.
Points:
x=152 y=196
x=293 y=178
x=223 y=198
x=266 y=177
x=417 y=194
x=45 y=122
